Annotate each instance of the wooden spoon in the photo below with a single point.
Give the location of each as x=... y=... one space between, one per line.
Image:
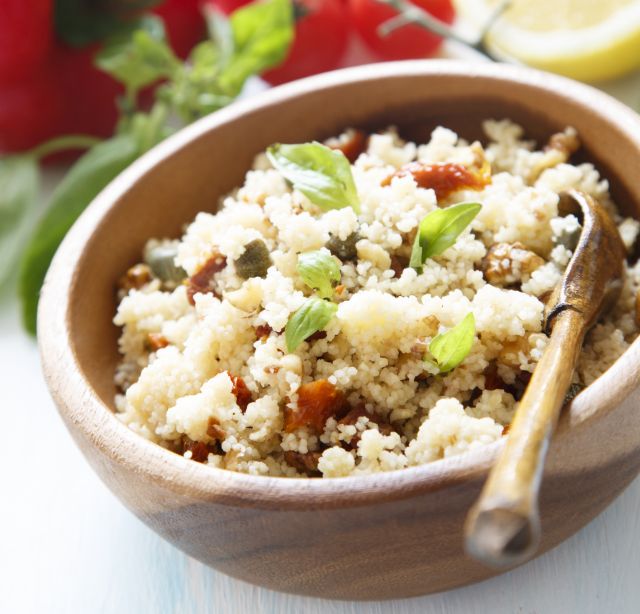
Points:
x=503 y=527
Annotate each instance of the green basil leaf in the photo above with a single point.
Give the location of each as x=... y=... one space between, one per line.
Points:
x=439 y=230
x=19 y=182
x=322 y=174
x=451 y=348
x=313 y=316
x=86 y=178
x=138 y=57
x=262 y=33
x=320 y=271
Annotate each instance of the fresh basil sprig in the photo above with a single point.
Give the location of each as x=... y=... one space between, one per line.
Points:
x=449 y=349
x=313 y=316
x=322 y=174
x=439 y=230
x=320 y=271
x=255 y=38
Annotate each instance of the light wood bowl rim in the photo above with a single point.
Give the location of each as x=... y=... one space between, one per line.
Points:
x=80 y=405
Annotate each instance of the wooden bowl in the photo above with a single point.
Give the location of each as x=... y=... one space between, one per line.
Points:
x=369 y=537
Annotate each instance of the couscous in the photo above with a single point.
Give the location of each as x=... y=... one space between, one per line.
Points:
x=358 y=306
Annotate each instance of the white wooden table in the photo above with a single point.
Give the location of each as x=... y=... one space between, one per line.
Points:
x=67 y=546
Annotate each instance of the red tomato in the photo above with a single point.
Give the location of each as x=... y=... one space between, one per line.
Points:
x=184 y=24
x=90 y=94
x=321 y=38
x=407 y=42
x=26 y=30
x=31 y=110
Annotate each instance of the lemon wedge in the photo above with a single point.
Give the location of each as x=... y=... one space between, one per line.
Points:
x=590 y=40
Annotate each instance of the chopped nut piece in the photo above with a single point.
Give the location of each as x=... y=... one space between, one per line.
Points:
x=637 y=315
x=135 y=278
x=156 y=341
x=560 y=147
x=214 y=430
x=506 y=263
x=304 y=463
x=317 y=402
x=511 y=350
x=202 y=282
x=566 y=142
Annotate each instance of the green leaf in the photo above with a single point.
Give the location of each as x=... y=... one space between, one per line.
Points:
x=88 y=176
x=255 y=38
x=138 y=57
x=439 y=230
x=195 y=88
x=262 y=33
x=313 y=316
x=19 y=184
x=451 y=348
x=322 y=174
x=320 y=271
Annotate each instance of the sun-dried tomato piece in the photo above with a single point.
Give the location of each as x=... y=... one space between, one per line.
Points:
x=492 y=381
x=317 y=402
x=304 y=463
x=202 y=282
x=240 y=391
x=444 y=178
x=156 y=341
x=319 y=334
x=263 y=331
x=199 y=450
x=399 y=264
x=352 y=145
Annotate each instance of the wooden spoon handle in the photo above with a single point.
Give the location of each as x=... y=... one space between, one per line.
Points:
x=503 y=527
